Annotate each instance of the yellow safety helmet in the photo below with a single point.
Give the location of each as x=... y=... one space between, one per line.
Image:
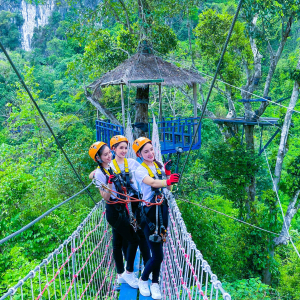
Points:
x=94 y=149
x=117 y=139
x=139 y=143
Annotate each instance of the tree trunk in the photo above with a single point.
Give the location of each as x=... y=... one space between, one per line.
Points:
x=290 y=213
x=141 y=114
x=285 y=132
x=251 y=189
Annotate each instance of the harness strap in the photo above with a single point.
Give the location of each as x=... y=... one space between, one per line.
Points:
x=157 y=191
x=119 y=172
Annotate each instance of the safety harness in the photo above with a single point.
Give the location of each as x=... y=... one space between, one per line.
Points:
x=119 y=207
x=126 y=188
x=158 y=235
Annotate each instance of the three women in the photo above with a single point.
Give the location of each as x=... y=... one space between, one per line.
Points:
x=127 y=220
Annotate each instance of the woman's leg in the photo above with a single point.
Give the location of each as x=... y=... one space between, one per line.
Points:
x=117 y=251
x=143 y=244
x=120 y=222
x=154 y=263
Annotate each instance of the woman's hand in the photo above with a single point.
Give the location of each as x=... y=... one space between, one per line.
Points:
x=174 y=178
x=168 y=166
x=111 y=178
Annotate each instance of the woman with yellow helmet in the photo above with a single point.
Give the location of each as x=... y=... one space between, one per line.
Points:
x=116 y=214
x=150 y=178
x=125 y=168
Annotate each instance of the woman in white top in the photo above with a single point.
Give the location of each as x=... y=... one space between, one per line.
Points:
x=116 y=214
x=124 y=168
x=149 y=177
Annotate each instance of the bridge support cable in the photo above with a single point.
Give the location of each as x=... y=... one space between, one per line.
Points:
x=82 y=267
x=278 y=199
x=212 y=84
x=43 y=117
x=42 y=216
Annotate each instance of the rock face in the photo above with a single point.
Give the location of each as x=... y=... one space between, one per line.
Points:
x=34 y=16
x=37 y=15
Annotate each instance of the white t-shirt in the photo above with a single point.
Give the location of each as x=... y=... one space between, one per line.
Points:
x=146 y=189
x=132 y=166
x=99 y=176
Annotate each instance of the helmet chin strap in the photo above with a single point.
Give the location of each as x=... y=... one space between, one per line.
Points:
x=99 y=160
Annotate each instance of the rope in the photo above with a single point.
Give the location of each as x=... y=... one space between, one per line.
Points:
x=242 y=90
x=212 y=84
x=44 y=119
x=233 y=218
x=124 y=201
x=253 y=112
x=41 y=217
x=276 y=191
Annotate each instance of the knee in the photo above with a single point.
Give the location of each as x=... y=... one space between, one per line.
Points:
x=158 y=258
x=117 y=244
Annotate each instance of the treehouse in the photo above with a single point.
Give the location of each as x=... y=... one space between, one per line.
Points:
x=139 y=72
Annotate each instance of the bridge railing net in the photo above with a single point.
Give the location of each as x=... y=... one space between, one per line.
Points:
x=185 y=274
x=82 y=267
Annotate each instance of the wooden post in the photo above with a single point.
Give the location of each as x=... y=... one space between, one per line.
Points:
x=160 y=110
x=160 y=103
x=123 y=106
x=141 y=111
x=195 y=106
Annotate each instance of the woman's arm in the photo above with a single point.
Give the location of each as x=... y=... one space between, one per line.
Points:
x=155 y=183
x=92 y=175
x=106 y=194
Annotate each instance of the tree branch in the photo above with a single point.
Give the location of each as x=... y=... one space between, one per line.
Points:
x=290 y=213
x=273 y=64
x=102 y=109
x=127 y=17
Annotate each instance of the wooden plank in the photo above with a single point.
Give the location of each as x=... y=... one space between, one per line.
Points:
x=126 y=291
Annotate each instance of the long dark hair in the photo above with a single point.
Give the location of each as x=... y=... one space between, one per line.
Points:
x=156 y=161
x=100 y=152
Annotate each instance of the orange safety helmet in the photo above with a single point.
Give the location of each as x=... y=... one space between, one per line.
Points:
x=139 y=143
x=94 y=149
x=117 y=139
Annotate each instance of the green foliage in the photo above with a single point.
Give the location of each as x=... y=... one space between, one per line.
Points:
x=233 y=166
x=249 y=289
x=9 y=31
x=211 y=33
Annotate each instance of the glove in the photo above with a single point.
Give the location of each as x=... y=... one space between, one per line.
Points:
x=111 y=178
x=174 y=178
x=168 y=166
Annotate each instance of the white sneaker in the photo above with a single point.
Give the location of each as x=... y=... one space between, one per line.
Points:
x=120 y=279
x=150 y=275
x=131 y=279
x=144 y=288
x=155 y=291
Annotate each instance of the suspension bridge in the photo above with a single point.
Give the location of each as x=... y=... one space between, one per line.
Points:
x=82 y=267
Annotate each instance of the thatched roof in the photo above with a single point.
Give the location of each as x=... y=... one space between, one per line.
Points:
x=144 y=66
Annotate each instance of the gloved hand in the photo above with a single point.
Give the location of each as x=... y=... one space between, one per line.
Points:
x=111 y=178
x=168 y=166
x=174 y=178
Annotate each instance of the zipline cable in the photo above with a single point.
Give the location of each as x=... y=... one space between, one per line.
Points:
x=212 y=85
x=233 y=218
x=277 y=196
x=44 y=119
x=42 y=216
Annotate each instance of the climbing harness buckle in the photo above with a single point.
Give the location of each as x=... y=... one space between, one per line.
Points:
x=132 y=218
